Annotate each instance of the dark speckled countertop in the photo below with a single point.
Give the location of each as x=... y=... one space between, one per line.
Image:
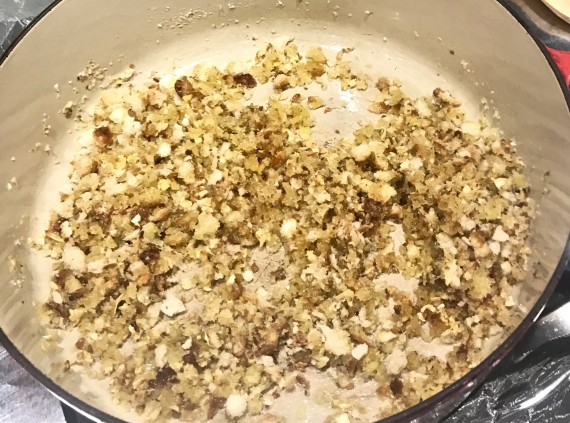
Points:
x=537 y=391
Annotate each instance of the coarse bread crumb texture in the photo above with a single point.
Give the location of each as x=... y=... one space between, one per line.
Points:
x=211 y=250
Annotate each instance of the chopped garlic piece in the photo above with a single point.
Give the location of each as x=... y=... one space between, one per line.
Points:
x=74 y=258
x=236 y=405
x=359 y=351
x=164 y=149
x=337 y=341
x=288 y=228
x=248 y=275
x=172 y=306
x=396 y=361
x=500 y=235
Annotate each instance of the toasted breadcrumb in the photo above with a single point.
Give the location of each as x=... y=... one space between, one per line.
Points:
x=225 y=251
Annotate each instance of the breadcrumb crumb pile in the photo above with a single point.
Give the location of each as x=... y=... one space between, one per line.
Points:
x=212 y=250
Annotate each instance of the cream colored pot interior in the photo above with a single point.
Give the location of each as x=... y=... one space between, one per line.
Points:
x=494 y=58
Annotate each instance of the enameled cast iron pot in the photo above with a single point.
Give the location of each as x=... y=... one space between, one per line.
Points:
x=495 y=57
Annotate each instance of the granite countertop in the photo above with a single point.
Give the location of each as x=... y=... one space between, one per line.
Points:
x=537 y=392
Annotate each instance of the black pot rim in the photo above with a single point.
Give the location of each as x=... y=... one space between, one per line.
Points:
x=405 y=416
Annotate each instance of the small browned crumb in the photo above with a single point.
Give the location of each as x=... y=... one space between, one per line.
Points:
x=212 y=253
x=297 y=98
x=103 y=137
x=446 y=97
x=396 y=386
x=68 y=109
x=281 y=82
x=245 y=79
x=315 y=102
x=215 y=405
x=378 y=108
x=184 y=87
